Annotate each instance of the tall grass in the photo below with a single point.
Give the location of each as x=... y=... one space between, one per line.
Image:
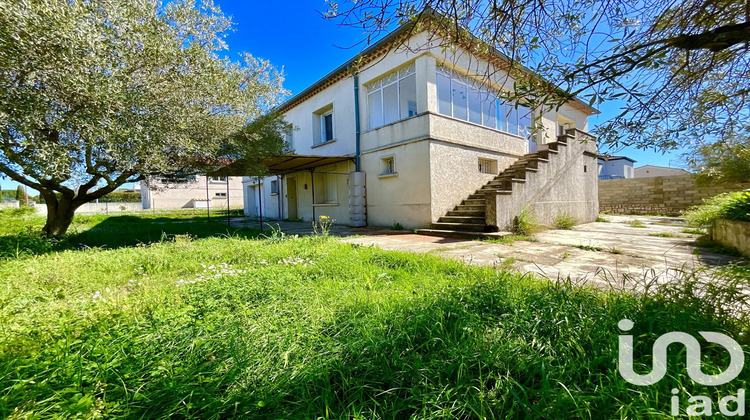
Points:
x=310 y=327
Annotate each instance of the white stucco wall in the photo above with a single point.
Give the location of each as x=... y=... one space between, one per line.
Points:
x=436 y=156
x=182 y=195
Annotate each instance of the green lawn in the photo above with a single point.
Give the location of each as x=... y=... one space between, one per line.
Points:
x=220 y=325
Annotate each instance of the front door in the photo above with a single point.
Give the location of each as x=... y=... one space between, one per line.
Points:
x=291 y=196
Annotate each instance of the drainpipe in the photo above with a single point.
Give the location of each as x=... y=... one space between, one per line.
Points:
x=356 y=122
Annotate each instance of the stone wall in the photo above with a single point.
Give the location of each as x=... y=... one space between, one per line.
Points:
x=657 y=195
x=732 y=234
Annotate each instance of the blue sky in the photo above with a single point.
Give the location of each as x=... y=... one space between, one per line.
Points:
x=294 y=36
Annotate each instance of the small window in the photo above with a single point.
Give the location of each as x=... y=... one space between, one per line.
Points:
x=388 y=166
x=289 y=137
x=274 y=187
x=487 y=166
x=222 y=194
x=326 y=125
x=325 y=189
x=323 y=125
x=221 y=179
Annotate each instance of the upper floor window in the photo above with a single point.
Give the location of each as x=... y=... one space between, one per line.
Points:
x=289 y=136
x=221 y=179
x=462 y=98
x=323 y=126
x=274 y=187
x=393 y=97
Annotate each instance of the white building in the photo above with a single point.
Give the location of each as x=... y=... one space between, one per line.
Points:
x=192 y=192
x=417 y=136
x=650 y=171
x=615 y=167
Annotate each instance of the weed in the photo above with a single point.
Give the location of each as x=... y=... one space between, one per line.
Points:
x=614 y=250
x=564 y=255
x=636 y=223
x=397 y=226
x=525 y=223
x=602 y=219
x=694 y=231
x=588 y=247
x=507 y=239
x=565 y=221
x=664 y=235
x=322 y=227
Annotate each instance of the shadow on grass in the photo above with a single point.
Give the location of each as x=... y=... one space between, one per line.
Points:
x=117 y=232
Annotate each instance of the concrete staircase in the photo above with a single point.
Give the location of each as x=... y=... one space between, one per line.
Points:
x=469 y=216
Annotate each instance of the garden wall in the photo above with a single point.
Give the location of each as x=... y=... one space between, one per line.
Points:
x=732 y=234
x=657 y=195
x=105 y=208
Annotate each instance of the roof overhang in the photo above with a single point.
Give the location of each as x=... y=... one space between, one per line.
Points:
x=282 y=165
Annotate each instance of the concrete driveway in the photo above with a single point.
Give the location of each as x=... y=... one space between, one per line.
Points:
x=624 y=249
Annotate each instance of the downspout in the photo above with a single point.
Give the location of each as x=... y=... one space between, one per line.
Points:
x=356 y=123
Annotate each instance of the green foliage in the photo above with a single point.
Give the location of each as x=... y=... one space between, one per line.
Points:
x=565 y=221
x=397 y=226
x=20 y=194
x=525 y=223
x=727 y=160
x=120 y=90
x=121 y=197
x=224 y=327
x=730 y=206
x=602 y=219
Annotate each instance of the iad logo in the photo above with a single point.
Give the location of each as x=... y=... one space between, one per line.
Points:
x=703 y=404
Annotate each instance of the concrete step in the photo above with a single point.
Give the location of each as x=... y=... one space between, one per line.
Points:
x=463 y=219
x=473 y=202
x=467 y=227
x=470 y=213
x=469 y=207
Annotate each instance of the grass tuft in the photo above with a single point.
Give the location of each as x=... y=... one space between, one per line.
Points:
x=565 y=221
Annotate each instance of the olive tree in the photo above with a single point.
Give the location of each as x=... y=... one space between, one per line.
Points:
x=98 y=93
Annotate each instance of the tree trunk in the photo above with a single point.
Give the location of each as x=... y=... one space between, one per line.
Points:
x=59 y=216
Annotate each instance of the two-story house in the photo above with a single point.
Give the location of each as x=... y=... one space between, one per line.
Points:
x=615 y=167
x=412 y=131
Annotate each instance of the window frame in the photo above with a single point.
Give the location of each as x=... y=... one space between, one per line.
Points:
x=378 y=87
x=386 y=169
x=324 y=130
x=218 y=179
x=507 y=115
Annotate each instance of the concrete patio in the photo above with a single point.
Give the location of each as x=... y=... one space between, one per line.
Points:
x=626 y=248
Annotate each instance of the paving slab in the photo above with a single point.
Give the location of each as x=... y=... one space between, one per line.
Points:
x=624 y=249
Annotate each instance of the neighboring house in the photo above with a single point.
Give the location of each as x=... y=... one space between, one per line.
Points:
x=650 y=171
x=417 y=136
x=615 y=167
x=192 y=192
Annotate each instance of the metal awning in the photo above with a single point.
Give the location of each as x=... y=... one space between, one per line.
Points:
x=282 y=165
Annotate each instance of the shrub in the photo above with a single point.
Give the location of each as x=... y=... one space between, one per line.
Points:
x=565 y=221
x=731 y=206
x=525 y=223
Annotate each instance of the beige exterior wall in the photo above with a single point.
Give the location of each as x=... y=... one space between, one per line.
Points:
x=159 y=196
x=405 y=196
x=436 y=156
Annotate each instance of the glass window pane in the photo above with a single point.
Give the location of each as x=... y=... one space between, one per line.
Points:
x=444 y=94
x=328 y=118
x=524 y=121
x=512 y=119
x=460 y=109
x=406 y=71
x=475 y=107
x=390 y=103
x=408 y=96
x=488 y=110
x=375 y=104
x=502 y=115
